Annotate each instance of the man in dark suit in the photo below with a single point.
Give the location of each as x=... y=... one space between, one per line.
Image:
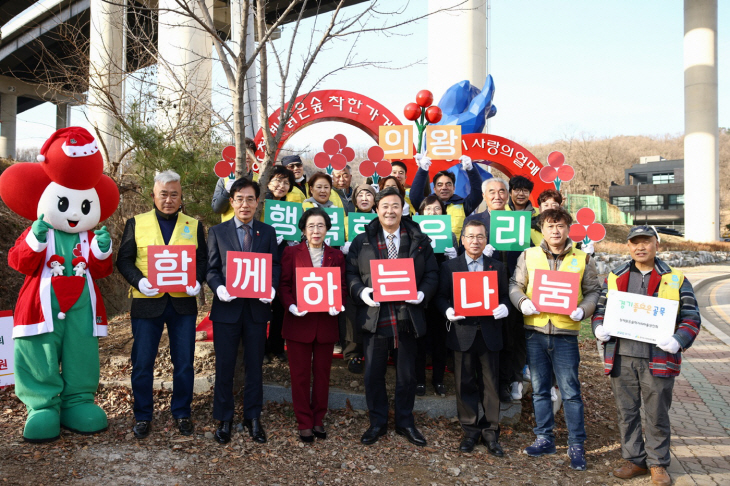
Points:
x=235 y=319
x=476 y=342
x=392 y=325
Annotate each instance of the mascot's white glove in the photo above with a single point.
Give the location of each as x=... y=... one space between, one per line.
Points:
x=223 y=294
x=500 y=312
x=423 y=161
x=670 y=345
x=450 y=252
x=268 y=301
x=451 y=315
x=145 y=287
x=578 y=314
x=365 y=296
x=488 y=250
x=419 y=299
x=294 y=310
x=345 y=249
x=333 y=311
x=601 y=334
x=279 y=239
x=466 y=162
x=528 y=308
x=589 y=248
x=193 y=291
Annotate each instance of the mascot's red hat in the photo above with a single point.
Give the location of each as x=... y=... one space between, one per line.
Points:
x=55 y=259
x=78 y=260
x=70 y=158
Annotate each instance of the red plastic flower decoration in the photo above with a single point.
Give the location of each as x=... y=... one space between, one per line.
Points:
x=375 y=167
x=227 y=166
x=423 y=112
x=336 y=154
x=557 y=170
x=586 y=229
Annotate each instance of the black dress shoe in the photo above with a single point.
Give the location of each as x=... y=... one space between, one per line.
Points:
x=372 y=435
x=223 y=432
x=307 y=439
x=320 y=434
x=467 y=444
x=255 y=430
x=412 y=434
x=142 y=429
x=420 y=390
x=494 y=448
x=185 y=425
x=440 y=389
x=505 y=396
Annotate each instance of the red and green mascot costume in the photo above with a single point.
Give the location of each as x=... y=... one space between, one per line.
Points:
x=59 y=318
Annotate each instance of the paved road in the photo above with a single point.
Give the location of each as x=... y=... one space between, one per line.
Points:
x=715 y=304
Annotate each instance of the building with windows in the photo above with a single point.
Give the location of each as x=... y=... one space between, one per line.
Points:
x=653 y=192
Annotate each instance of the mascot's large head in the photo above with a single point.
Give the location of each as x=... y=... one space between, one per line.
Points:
x=67 y=187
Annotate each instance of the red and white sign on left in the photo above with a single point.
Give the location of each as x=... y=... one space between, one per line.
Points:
x=318 y=289
x=555 y=292
x=7 y=377
x=248 y=274
x=393 y=280
x=171 y=268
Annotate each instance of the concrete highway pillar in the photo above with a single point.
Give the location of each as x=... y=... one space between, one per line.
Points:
x=8 y=115
x=106 y=75
x=62 y=116
x=457 y=45
x=250 y=108
x=701 y=141
x=183 y=69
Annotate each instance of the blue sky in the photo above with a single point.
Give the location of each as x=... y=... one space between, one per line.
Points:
x=561 y=68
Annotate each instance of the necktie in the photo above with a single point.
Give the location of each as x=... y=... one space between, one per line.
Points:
x=246 y=246
x=473 y=265
x=392 y=250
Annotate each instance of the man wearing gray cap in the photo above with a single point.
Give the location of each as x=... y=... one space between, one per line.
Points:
x=642 y=374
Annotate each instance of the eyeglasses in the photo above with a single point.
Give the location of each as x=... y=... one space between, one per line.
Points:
x=240 y=200
x=294 y=165
x=312 y=227
x=479 y=238
x=280 y=182
x=521 y=191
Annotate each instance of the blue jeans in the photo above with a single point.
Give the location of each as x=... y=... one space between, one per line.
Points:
x=558 y=354
x=147 y=334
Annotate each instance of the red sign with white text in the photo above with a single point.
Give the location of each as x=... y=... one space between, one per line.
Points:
x=248 y=274
x=475 y=293
x=171 y=268
x=318 y=289
x=555 y=292
x=393 y=280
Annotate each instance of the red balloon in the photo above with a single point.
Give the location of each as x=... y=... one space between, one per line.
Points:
x=412 y=111
x=229 y=153
x=556 y=159
x=565 y=173
x=375 y=153
x=433 y=114
x=349 y=153
x=383 y=168
x=367 y=168
x=342 y=140
x=331 y=146
x=223 y=168
x=577 y=232
x=585 y=216
x=424 y=98
x=338 y=161
x=322 y=160
x=596 y=232
x=548 y=174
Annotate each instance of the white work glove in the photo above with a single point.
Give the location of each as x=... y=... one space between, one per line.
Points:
x=365 y=296
x=345 y=248
x=670 y=345
x=578 y=314
x=419 y=299
x=292 y=243
x=423 y=161
x=193 y=291
x=294 y=310
x=466 y=162
x=145 y=287
x=333 y=310
x=601 y=334
x=450 y=252
x=528 y=308
x=223 y=294
x=268 y=301
x=451 y=315
x=500 y=312
x=589 y=248
x=279 y=239
x=488 y=250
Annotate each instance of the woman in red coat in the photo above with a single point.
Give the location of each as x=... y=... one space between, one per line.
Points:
x=310 y=337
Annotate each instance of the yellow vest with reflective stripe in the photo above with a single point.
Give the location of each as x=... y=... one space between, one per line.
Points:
x=147 y=232
x=536 y=259
x=668 y=286
x=456 y=211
